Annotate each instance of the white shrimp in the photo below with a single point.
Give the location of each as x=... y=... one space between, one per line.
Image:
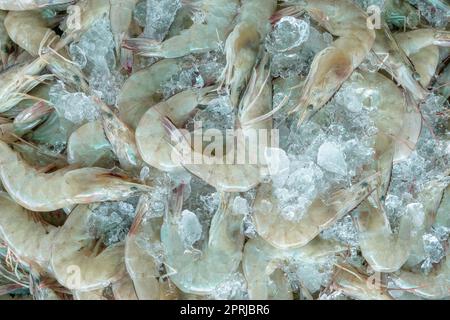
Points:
x=220 y=256
x=321 y=214
x=46 y=192
x=200 y=37
x=78 y=261
x=252 y=136
x=261 y=261
x=141 y=266
x=121 y=15
x=151 y=135
x=144 y=89
x=88 y=146
x=33 y=33
x=26 y=234
x=332 y=66
x=122 y=139
x=18 y=80
x=243 y=44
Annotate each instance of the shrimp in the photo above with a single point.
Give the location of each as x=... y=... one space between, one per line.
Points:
x=122 y=139
x=5 y=41
x=200 y=37
x=21 y=5
x=150 y=133
x=61 y=188
x=279 y=232
x=78 y=261
x=433 y=286
x=121 y=14
x=223 y=171
x=357 y=285
x=425 y=62
x=384 y=251
x=31 y=117
x=124 y=289
x=88 y=146
x=332 y=66
x=141 y=266
x=33 y=33
x=261 y=260
x=413 y=41
x=430 y=197
x=220 y=257
x=243 y=44
x=28 y=236
x=98 y=294
x=16 y=81
x=144 y=89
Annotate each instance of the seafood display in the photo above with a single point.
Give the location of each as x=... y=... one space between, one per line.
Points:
x=224 y=149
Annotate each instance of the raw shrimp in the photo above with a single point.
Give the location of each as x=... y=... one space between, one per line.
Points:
x=357 y=285
x=220 y=257
x=5 y=42
x=425 y=62
x=33 y=33
x=47 y=192
x=384 y=251
x=150 y=133
x=88 y=146
x=121 y=15
x=16 y=81
x=413 y=41
x=430 y=198
x=141 y=266
x=261 y=260
x=144 y=89
x=78 y=261
x=31 y=117
x=332 y=66
x=243 y=44
x=252 y=136
x=121 y=138
x=20 y=5
x=124 y=289
x=200 y=37
x=28 y=236
x=320 y=215
x=433 y=286
x=393 y=59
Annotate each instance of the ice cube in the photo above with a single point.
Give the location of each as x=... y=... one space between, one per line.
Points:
x=189 y=228
x=331 y=158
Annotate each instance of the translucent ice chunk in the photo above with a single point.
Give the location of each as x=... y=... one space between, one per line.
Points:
x=240 y=206
x=287 y=34
x=331 y=158
x=111 y=221
x=75 y=107
x=189 y=228
x=219 y=114
x=278 y=164
x=160 y=15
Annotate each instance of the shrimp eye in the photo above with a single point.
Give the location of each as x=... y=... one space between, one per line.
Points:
x=134 y=189
x=310 y=107
x=364 y=184
x=416 y=76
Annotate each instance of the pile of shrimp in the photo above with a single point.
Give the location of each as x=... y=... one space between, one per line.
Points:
x=219 y=228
